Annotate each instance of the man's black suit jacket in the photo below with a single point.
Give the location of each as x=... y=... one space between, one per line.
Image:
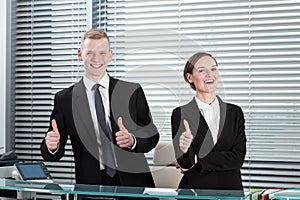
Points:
x=72 y=114
x=218 y=165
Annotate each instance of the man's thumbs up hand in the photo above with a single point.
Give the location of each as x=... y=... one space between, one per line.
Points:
x=52 y=138
x=121 y=125
x=186 y=138
x=54 y=126
x=123 y=137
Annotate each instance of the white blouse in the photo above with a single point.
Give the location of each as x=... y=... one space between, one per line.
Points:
x=211 y=114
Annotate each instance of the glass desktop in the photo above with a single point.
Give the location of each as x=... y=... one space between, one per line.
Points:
x=118 y=191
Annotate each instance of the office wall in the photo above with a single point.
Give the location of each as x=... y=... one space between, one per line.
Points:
x=2 y=74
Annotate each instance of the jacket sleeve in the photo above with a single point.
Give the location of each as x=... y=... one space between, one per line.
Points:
x=186 y=160
x=58 y=116
x=146 y=133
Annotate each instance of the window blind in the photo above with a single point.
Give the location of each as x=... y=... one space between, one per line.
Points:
x=273 y=108
x=47 y=36
x=255 y=42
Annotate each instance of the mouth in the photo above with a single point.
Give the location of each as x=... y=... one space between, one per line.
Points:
x=96 y=66
x=209 y=81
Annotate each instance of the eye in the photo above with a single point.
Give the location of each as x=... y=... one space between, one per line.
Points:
x=200 y=70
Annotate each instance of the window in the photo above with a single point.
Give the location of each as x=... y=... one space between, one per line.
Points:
x=255 y=42
x=47 y=36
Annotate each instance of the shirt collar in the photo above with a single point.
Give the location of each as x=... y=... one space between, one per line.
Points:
x=89 y=84
x=205 y=107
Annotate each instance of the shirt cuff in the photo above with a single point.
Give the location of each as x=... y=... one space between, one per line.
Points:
x=134 y=142
x=54 y=151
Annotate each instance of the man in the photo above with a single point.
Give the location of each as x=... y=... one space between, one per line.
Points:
x=117 y=146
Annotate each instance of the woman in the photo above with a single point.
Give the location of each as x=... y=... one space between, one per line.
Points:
x=208 y=134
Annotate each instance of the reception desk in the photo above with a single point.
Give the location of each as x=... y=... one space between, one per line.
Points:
x=28 y=190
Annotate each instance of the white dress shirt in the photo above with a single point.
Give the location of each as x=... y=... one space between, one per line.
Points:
x=104 y=91
x=211 y=114
x=104 y=83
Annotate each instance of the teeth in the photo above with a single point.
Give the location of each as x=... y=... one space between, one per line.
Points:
x=96 y=66
x=209 y=81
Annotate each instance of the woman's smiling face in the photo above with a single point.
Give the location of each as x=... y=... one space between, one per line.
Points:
x=205 y=75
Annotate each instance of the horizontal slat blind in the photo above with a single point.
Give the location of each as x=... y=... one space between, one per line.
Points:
x=256 y=44
x=47 y=36
x=274 y=98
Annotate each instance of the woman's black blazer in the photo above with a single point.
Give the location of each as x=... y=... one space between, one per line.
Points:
x=218 y=165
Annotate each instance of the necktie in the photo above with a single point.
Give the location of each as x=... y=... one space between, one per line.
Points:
x=106 y=140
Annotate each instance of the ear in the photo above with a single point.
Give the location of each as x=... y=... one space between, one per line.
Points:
x=79 y=53
x=189 y=77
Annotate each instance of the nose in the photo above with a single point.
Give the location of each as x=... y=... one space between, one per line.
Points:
x=208 y=72
x=97 y=57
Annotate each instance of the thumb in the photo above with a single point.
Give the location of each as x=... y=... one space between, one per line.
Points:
x=186 y=126
x=54 y=126
x=120 y=124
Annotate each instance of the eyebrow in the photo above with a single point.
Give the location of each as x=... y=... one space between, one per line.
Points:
x=205 y=67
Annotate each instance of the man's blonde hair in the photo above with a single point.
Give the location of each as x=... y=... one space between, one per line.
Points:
x=94 y=34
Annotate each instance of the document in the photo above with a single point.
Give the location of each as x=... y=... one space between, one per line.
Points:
x=161 y=191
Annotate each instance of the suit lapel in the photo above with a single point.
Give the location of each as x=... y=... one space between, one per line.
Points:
x=203 y=141
x=82 y=114
x=197 y=120
x=113 y=123
x=223 y=113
